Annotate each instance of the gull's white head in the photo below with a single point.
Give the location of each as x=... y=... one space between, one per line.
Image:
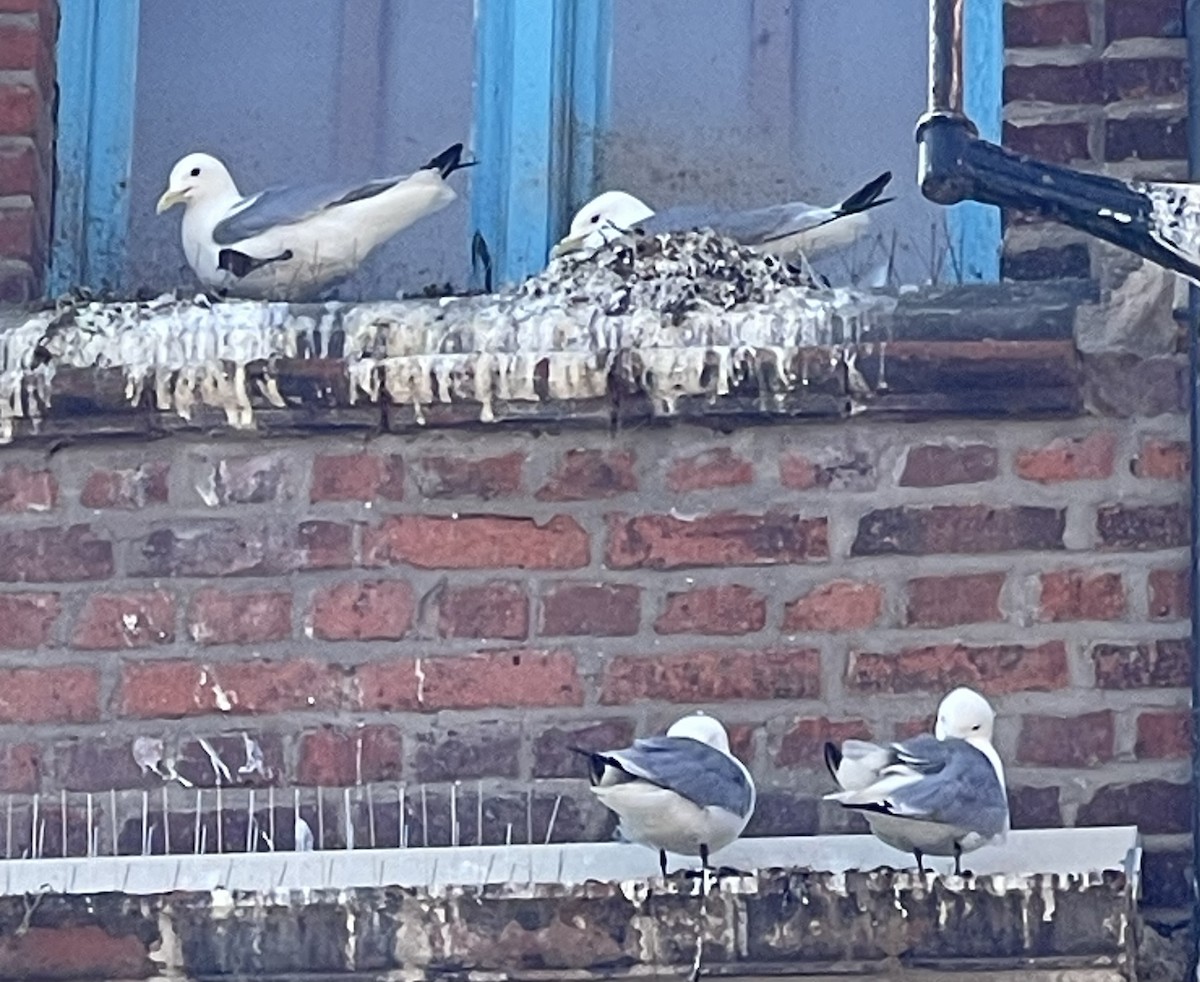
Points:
x=965 y=714
x=701 y=727
x=197 y=178
x=606 y=217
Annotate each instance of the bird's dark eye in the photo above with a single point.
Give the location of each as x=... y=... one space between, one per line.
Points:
x=976 y=726
x=195 y=172
x=595 y=219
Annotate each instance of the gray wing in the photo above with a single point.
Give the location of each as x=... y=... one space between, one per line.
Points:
x=288 y=205
x=692 y=769
x=959 y=788
x=756 y=226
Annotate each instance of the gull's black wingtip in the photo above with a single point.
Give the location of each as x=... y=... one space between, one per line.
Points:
x=867 y=196
x=449 y=160
x=596 y=762
x=833 y=759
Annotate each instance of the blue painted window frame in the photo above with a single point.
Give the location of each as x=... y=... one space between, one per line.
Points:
x=542 y=104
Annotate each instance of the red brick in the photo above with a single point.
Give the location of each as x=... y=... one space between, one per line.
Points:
x=187 y=688
x=586 y=474
x=1165 y=734
x=357 y=477
x=130 y=488
x=477 y=542
x=27 y=619
x=803 y=744
x=1155 y=807
x=947 y=601
x=1059 y=143
x=728 y=610
x=1143 y=78
x=938 y=465
x=229 y=548
x=1145 y=139
x=20 y=45
x=1143 y=18
x=240 y=617
x=1162 y=459
x=462 y=477
x=20 y=768
x=722 y=539
x=19 y=108
x=1062 y=84
x=1081 y=595
x=488 y=610
x=62 y=694
x=54 y=554
x=970 y=529
x=741 y=741
x=843 y=468
x=1086 y=458
x=492 y=679
x=714 y=676
x=602 y=610
x=363 y=611
x=17 y=225
x=909 y=728
x=1142 y=527
x=1170 y=595
x=707 y=471
x=1046 y=25
x=1165 y=664
x=841 y=605
x=111 y=622
x=994 y=669
x=1060 y=741
x=343 y=757
x=75 y=951
x=552 y=754
x=24 y=490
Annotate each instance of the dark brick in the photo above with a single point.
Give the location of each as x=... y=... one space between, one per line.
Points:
x=1059 y=741
x=596 y=609
x=131 y=488
x=552 y=754
x=936 y=465
x=722 y=539
x=1071 y=261
x=54 y=554
x=1034 y=808
x=1125 y=385
x=1155 y=807
x=1143 y=18
x=968 y=529
x=1145 y=139
x=251 y=480
x=1143 y=78
x=1170 y=594
x=947 y=601
x=780 y=812
x=486 y=750
x=75 y=951
x=229 y=548
x=27 y=619
x=1078 y=85
x=100 y=763
x=195 y=765
x=497 y=610
x=1166 y=879
x=586 y=474
x=1163 y=664
x=832 y=468
x=1142 y=527
x=1164 y=734
x=1059 y=143
x=461 y=477
x=994 y=669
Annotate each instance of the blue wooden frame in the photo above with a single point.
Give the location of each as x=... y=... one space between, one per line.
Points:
x=97 y=58
x=973 y=228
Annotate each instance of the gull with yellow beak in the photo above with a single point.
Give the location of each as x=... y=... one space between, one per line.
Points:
x=290 y=243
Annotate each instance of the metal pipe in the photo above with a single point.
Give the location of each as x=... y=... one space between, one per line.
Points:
x=945 y=56
x=1192 y=32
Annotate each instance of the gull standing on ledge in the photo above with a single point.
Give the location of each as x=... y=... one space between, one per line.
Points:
x=289 y=243
x=940 y=795
x=782 y=230
x=683 y=792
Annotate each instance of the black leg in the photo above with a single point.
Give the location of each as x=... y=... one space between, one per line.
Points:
x=920 y=861
x=704 y=856
x=662 y=862
x=957 y=859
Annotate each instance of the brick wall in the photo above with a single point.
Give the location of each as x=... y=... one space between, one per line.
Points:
x=1095 y=84
x=28 y=29
x=460 y=608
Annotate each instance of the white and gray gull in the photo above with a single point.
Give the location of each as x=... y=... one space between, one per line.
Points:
x=939 y=795
x=782 y=230
x=684 y=792
x=290 y=243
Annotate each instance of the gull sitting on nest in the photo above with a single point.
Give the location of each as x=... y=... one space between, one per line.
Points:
x=289 y=243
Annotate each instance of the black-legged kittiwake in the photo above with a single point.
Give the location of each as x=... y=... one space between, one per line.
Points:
x=291 y=242
x=683 y=792
x=939 y=795
x=783 y=230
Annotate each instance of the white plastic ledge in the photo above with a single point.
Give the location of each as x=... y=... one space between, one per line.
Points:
x=1064 y=852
